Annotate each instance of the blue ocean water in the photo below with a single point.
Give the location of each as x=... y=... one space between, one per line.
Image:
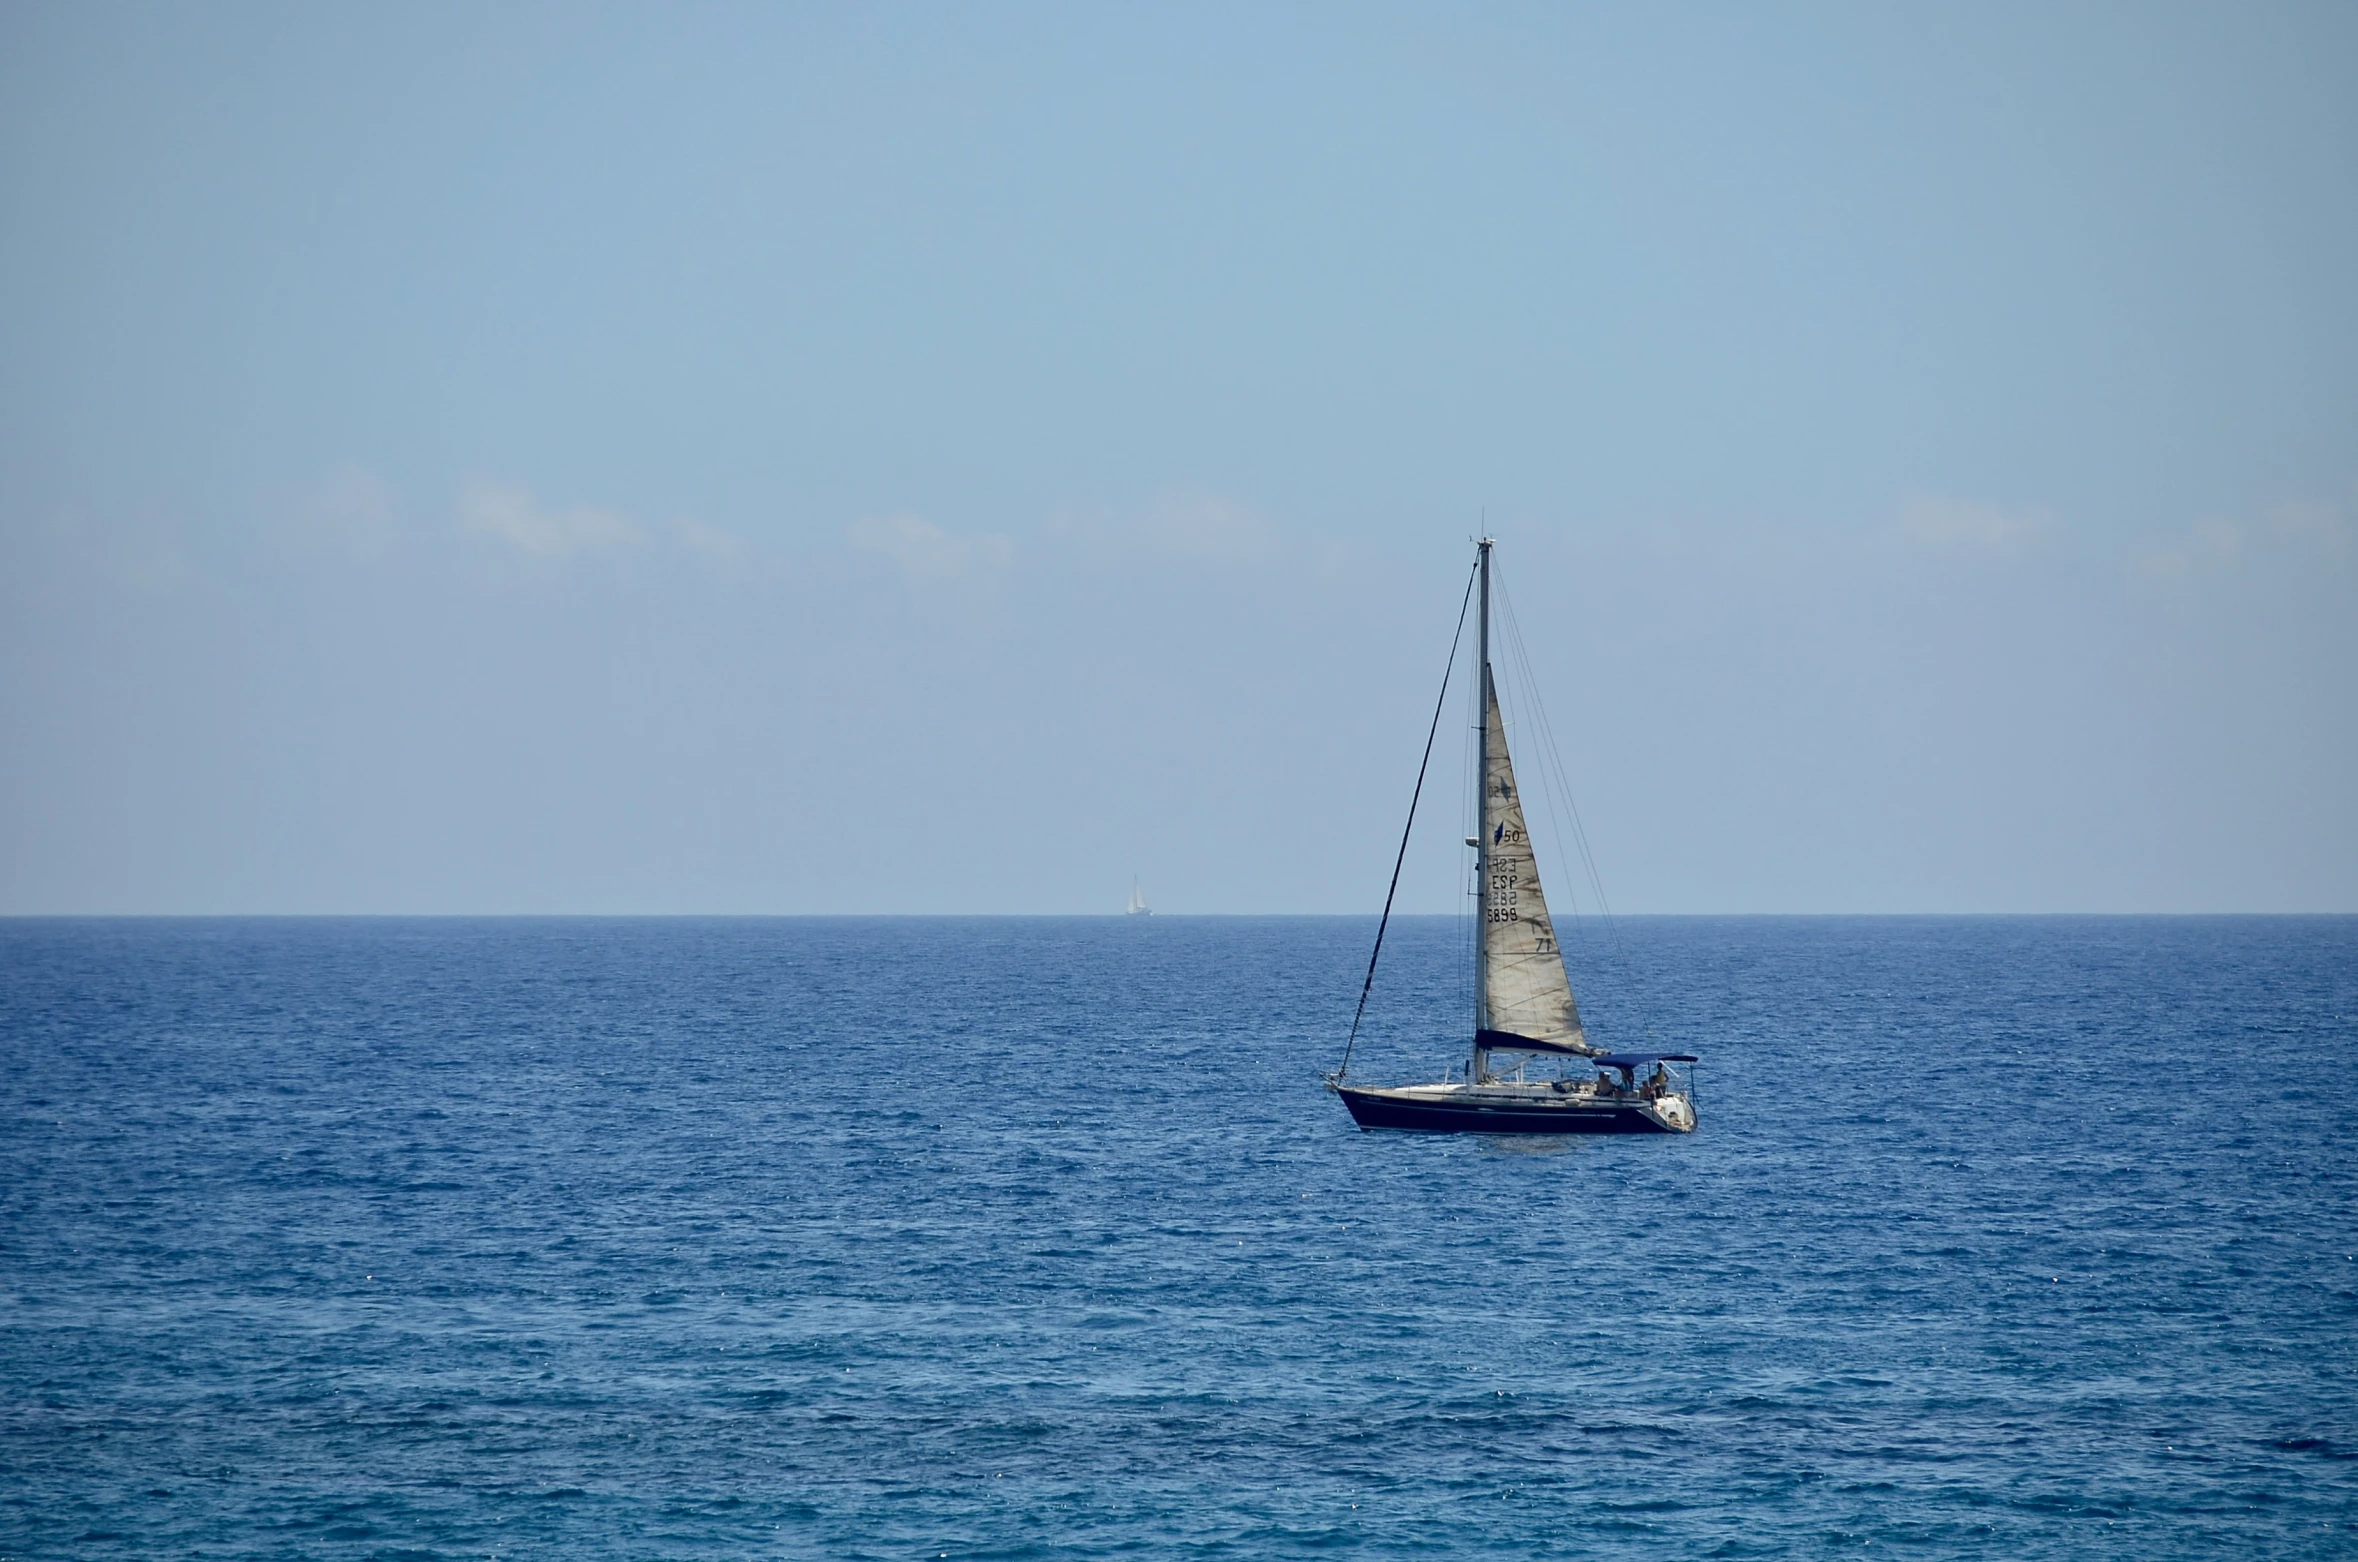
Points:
x=1014 y=1238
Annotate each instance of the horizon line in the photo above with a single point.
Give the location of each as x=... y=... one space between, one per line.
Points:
x=1085 y=916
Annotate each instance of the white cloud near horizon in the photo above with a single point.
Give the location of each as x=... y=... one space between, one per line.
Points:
x=712 y=542
x=1187 y=525
x=1946 y=521
x=350 y=511
x=927 y=554
x=1805 y=721
x=2320 y=533
x=512 y=514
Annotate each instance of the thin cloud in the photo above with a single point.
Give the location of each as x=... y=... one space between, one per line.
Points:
x=926 y=554
x=350 y=513
x=1195 y=524
x=2309 y=535
x=512 y=515
x=1939 y=521
x=709 y=541
x=1191 y=524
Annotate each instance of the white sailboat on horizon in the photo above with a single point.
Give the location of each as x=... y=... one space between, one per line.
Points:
x=1138 y=905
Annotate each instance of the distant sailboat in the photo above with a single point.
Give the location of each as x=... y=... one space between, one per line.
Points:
x=1523 y=1003
x=1138 y=905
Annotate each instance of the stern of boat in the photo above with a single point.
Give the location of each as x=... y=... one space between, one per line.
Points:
x=1675 y=1113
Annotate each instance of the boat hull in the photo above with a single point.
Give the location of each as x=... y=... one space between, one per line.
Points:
x=1488 y=1112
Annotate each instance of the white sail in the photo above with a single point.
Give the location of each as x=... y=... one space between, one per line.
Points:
x=1526 y=996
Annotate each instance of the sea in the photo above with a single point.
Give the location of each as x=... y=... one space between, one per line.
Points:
x=1014 y=1238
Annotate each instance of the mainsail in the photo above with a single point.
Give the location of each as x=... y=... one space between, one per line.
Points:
x=1526 y=997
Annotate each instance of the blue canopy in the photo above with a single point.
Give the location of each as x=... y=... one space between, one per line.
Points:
x=1633 y=1059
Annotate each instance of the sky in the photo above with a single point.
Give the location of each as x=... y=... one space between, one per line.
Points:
x=961 y=459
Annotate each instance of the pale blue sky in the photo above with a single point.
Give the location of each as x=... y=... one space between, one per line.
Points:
x=955 y=459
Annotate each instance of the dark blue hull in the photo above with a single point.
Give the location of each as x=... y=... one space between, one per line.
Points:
x=1378 y=1109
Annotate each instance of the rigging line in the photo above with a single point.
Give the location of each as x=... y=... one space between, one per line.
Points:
x=1554 y=771
x=1556 y=780
x=1386 y=920
x=1536 y=753
x=1512 y=693
x=1560 y=778
x=1554 y=785
x=1464 y=921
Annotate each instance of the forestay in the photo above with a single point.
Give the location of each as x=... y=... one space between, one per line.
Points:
x=1527 y=998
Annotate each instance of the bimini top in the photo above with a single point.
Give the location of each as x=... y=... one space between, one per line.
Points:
x=1633 y=1059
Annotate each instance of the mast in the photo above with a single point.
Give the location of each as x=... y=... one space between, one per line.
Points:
x=1482 y=827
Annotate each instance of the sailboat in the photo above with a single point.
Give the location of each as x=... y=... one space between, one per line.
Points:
x=1138 y=905
x=1524 y=1010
